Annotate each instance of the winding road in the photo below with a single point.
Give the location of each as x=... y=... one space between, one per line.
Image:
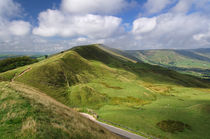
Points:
x=118 y=131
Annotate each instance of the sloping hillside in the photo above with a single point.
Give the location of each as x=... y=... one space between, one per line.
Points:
x=195 y=61
x=27 y=113
x=120 y=90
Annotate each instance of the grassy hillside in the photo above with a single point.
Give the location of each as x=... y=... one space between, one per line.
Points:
x=140 y=96
x=24 y=113
x=195 y=62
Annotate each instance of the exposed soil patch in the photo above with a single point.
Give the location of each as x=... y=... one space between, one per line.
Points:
x=21 y=74
x=173 y=126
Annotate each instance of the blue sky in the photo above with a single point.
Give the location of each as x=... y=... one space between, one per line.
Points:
x=55 y=25
x=33 y=7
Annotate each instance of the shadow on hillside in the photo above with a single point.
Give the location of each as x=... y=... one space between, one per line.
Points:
x=146 y=72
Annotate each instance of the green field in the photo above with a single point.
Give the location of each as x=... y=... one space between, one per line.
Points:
x=146 y=98
x=187 y=105
x=195 y=62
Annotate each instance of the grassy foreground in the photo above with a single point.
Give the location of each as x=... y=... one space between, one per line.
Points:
x=151 y=99
x=28 y=114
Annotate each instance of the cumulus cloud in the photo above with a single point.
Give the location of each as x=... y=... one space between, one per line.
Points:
x=19 y=28
x=57 y=23
x=165 y=24
x=155 y=6
x=203 y=38
x=93 y=6
x=143 y=25
x=78 y=18
x=8 y=27
x=9 y=8
x=184 y=6
x=171 y=31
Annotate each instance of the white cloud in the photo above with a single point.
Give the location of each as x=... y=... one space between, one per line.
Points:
x=19 y=28
x=9 y=27
x=9 y=8
x=172 y=31
x=203 y=38
x=199 y=37
x=155 y=6
x=56 y=23
x=184 y=6
x=143 y=25
x=93 y=6
x=80 y=22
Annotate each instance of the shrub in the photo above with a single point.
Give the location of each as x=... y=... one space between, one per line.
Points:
x=173 y=126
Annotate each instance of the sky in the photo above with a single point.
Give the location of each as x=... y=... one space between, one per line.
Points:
x=56 y=25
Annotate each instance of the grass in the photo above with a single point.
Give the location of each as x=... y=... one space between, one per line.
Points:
x=24 y=116
x=9 y=75
x=193 y=62
x=173 y=126
x=136 y=95
x=186 y=105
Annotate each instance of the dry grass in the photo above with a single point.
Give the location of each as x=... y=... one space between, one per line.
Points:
x=62 y=118
x=29 y=125
x=163 y=90
x=112 y=87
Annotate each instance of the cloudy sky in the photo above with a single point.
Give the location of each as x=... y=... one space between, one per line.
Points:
x=55 y=25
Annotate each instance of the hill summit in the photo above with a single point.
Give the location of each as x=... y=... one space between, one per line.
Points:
x=116 y=87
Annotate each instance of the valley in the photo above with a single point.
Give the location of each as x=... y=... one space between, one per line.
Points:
x=145 y=98
x=193 y=61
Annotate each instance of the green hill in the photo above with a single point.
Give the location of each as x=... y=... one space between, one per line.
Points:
x=121 y=90
x=194 y=61
x=26 y=113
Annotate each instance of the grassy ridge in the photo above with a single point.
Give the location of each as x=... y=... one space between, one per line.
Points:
x=136 y=95
x=31 y=116
x=144 y=71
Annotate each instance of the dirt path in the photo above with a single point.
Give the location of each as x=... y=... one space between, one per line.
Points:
x=49 y=101
x=21 y=74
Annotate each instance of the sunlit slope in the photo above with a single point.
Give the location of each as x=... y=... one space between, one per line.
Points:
x=142 y=70
x=90 y=64
x=25 y=113
x=133 y=94
x=196 y=62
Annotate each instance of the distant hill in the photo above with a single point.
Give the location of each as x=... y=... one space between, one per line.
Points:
x=120 y=90
x=15 y=62
x=193 y=61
